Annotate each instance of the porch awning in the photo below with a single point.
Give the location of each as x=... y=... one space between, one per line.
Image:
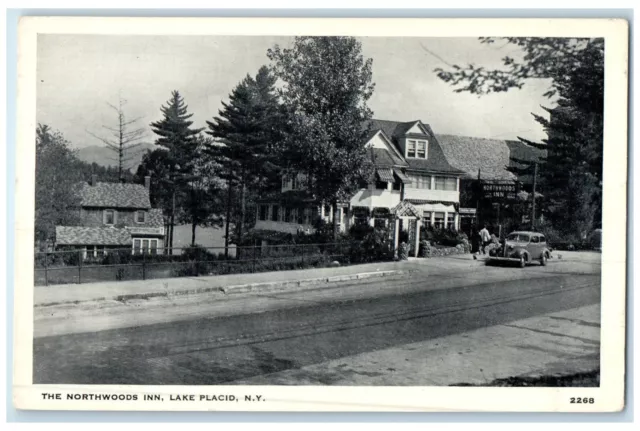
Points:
x=405 y=179
x=385 y=174
x=437 y=207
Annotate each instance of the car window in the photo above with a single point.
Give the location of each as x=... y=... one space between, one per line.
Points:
x=535 y=239
x=542 y=239
x=518 y=237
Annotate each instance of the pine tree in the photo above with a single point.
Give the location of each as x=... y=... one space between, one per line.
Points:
x=570 y=176
x=247 y=131
x=179 y=139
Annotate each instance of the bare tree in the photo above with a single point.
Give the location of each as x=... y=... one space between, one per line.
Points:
x=122 y=140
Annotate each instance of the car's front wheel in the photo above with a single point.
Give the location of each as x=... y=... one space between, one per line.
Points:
x=543 y=259
x=522 y=262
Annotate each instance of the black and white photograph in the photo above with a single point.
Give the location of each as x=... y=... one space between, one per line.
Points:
x=344 y=209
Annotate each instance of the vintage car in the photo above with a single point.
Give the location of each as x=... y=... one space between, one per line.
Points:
x=523 y=248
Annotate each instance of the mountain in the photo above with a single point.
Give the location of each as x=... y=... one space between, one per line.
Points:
x=106 y=157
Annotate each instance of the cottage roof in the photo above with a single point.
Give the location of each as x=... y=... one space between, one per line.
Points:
x=115 y=195
x=77 y=235
x=395 y=130
x=155 y=218
x=490 y=156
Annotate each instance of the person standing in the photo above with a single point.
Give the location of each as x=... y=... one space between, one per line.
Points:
x=485 y=238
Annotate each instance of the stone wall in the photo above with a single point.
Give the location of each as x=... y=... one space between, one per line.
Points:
x=428 y=250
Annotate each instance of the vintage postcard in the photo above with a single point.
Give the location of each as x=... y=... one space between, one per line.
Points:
x=321 y=214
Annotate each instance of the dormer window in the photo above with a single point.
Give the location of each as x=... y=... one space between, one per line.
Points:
x=411 y=149
x=140 y=216
x=416 y=149
x=109 y=217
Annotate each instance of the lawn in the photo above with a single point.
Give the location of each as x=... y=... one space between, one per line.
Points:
x=206 y=237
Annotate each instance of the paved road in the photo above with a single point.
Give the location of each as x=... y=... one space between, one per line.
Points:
x=225 y=349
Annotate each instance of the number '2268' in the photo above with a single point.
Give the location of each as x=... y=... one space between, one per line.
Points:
x=582 y=400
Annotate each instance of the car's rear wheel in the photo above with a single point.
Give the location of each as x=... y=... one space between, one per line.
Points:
x=522 y=262
x=543 y=259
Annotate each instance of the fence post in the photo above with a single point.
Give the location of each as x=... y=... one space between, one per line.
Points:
x=80 y=267
x=302 y=263
x=144 y=265
x=46 y=272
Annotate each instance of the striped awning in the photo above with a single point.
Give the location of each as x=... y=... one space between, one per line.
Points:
x=405 y=179
x=385 y=174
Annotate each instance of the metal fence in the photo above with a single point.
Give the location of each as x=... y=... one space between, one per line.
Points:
x=80 y=266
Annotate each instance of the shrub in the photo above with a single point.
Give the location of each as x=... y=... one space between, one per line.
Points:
x=425 y=248
x=404 y=251
x=374 y=246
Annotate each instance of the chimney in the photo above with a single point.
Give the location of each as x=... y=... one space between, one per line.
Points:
x=94 y=179
x=147 y=182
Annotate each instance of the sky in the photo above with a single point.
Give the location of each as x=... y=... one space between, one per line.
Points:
x=79 y=75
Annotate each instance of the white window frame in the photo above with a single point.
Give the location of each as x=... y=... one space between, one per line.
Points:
x=415 y=147
x=140 y=248
x=104 y=217
x=418 y=145
x=144 y=217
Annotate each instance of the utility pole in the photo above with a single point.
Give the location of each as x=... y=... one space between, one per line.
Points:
x=533 y=197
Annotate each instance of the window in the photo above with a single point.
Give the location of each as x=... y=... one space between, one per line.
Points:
x=397 y=185
x=426 y=216
x=542 y=239
x=294 y=183
x=422 y=182
x=535 y=239
x=411 y=149
x=381 y=185
x=446 y=183
x=451 y=221
x=422 y=150
x=109 y=217
x=327 y=210
x=140 y=216
x=300 y=213
x=275 y=213
x=264 y=210
x=379 y=223
x=515 y=237
x=147 y=246
x=288 y=215
x=439 y=220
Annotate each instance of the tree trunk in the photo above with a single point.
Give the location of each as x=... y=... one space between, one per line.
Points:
x=171 y=234
x=193 y=234
x=335 y=221
x=227 y=220
x=242 y=206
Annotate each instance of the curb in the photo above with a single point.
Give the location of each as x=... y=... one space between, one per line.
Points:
x=239 y=288
x=309 y=282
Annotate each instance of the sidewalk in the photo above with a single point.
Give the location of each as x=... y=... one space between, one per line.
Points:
x=77 y=293
x=240 y=283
